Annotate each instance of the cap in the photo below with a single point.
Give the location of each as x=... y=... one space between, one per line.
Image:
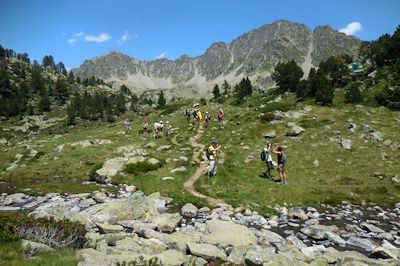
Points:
x=214 y=141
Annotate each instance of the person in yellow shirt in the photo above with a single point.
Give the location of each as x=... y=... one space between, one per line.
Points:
x=213 y=160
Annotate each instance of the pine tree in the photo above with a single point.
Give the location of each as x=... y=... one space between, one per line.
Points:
x=216 y=92
x=226 y=87
x=325 y=90
x=44 y=102
x=48 y=61
x=61 y=91
x=161 y=100
x=71 y=77
x=287 y=76
x=61 y=68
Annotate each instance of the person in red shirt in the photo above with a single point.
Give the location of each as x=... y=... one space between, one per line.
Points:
x=221 y=118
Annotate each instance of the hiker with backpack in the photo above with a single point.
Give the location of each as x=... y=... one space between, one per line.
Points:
x=211 y=154
x=281 y=163
x=266 y=155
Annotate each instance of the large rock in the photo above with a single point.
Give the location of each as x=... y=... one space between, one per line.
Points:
x=313 y=251
x=318 y=231
x=377 y=135
x=60 y=211
x=189 y=210
x=227 y=233
x=207 y=251
x=140 y=245
x=294 y=130
x=135 y=159
x=364 y=243
x=297 y=213
x=179 y=169
x=109 y=228
x=32 y=248
x=372 y=228
x=259 y=256
x=383 y=253
x=166 y=222
x=273 y=238
x=179 y=240
x=135 y=206
x=110 y=169
x=172 y=258
x=131 y=151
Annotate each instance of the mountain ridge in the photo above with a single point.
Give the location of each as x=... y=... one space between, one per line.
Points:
x=254 y=54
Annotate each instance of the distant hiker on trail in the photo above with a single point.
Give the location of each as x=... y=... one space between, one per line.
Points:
x=268 y=160
x=281 y=163
x=145 y=125
x=127 y=125
x=212 y=157
x=158 y=127
x=168 y=128
x=187 y=115
x=207 y=118
x=221 y=118
x=199 y=117
x=195 y=114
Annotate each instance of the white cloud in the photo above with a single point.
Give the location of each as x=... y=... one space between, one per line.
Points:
x=102 y=37
x=352 y=28
x=77 y=35
x=72 y=41
x=126 y=36
x=162 y=55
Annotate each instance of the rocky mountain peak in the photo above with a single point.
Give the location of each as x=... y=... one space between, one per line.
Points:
x=254 y=54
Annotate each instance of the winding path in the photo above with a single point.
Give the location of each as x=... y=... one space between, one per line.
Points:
x=198 y=148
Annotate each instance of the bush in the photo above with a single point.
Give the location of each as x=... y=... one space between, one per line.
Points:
x=282 y=106
x=203 y=101
x=7 y=223
x=353 y=93
x=141 y=167
x=58 y=234
x=92 y=173
x=265 y=118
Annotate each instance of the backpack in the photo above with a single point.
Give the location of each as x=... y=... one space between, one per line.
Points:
x=283 y=158
x=208 y=154
x=262 y=155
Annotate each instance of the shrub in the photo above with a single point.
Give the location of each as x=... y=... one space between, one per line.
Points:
x=141 y=262
x=282 y=106
x=141 y=167
x=92 y=173
x=265 y=118
x=54 y=233
x=203 y=101
x=353 y=93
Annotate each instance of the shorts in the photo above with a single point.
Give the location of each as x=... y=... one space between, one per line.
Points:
x=281 y=166
x=270 y=165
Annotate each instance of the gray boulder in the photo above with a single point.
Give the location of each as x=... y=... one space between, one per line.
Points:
x=377 y=135
x=364 y=243
x=294 y=130
x=153 y=161
x=189 y=210
x=164 y=148
x=135 y=159
x=179 y=169
x=314 y=251
x=270 y=134
x=166 y=222
x=110 y=169
x=109 y=228
x=365 y=129
x=259 y=256
x=135 y=206
x=207 y=251
x=238 y=236
x=33 y=248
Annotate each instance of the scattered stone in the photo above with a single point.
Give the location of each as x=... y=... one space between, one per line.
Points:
x=377 y=135
x=166 y=222
x=179 y=169
x=167 y=178
x=8 y=208
x=316 y=163
x=153 y=161
x=164 y=148
x=59 y=148
x=135 y=159
x=372 y=228
x=314 y=251
x=270 y=134
x=346 y=143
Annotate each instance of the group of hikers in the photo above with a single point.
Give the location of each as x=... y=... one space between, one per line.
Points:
x=214 y=148
x=199 y=117
x=266 y=155
x=159 y=127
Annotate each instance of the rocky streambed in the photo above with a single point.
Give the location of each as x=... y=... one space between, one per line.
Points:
x=126 y=225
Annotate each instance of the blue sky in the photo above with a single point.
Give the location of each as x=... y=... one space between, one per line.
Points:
x=72 y=31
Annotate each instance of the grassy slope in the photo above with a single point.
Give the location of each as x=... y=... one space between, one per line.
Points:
x=238 y=183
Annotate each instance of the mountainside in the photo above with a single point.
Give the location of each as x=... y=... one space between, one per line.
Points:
x=254 y=54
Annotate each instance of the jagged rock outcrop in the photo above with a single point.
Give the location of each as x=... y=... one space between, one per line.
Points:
x=254 y=54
